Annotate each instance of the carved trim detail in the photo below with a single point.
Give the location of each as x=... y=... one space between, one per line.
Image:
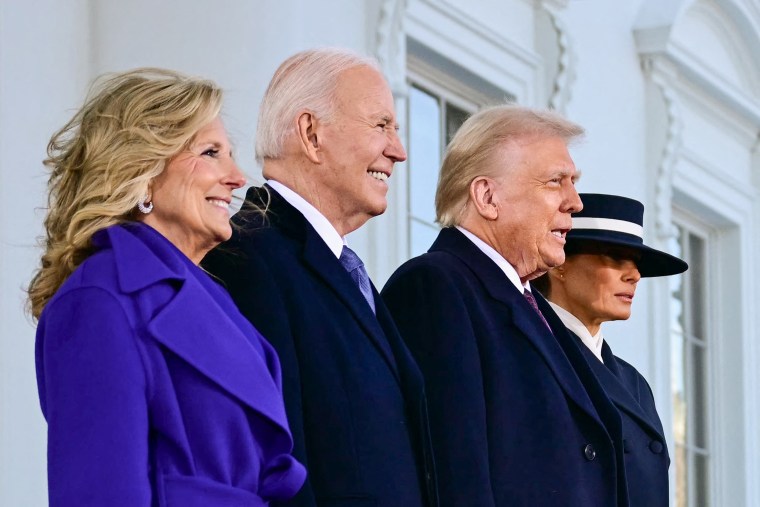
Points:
x=563 y=81
x=390 y=44
x=671 y=151
x=551 y=4
x=566 y=59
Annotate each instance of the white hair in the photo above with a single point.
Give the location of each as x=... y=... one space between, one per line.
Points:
x=305 y=81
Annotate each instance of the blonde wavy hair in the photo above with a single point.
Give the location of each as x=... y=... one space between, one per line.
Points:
x=103 y=160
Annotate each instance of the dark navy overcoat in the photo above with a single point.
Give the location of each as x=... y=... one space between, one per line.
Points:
x=354 y=396
x=644 y=446
x=513 y=421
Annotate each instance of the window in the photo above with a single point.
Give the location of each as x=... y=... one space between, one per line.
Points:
x=689 y=370
x=442 y=95
x=433 y=121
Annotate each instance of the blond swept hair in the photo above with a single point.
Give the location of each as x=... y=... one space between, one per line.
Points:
x=305 y=81
x=102 y=161
x=470 y=152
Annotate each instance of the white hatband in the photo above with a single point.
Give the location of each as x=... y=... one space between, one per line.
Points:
x=608 y=224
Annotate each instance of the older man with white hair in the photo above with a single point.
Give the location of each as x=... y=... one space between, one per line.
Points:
x=327 y=137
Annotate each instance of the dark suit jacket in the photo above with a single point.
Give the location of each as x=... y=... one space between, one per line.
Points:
x=512 y=422
x=646 y=453
x=157 y=391
x=353 y=393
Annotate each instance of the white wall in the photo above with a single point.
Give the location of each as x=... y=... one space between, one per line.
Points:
x=608 y=100
x=49 y=53
x=50 y=50
x=43 y=67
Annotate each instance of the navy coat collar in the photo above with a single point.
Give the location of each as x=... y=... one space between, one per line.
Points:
x=611 y=377
x=320 y=259
x=535 y=331
x=195 y=320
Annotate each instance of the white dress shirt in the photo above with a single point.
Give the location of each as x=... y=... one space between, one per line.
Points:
x=594 y=343
x=324 y=228
x=495 y=256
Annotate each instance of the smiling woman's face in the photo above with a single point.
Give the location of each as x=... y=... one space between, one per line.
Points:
x=191 y=197
x=598 y=284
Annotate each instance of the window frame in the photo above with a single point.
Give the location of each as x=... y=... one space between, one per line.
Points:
x=692 y=226
x=447 y=90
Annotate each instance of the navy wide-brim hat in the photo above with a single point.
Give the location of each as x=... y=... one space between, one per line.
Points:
x=619 y=220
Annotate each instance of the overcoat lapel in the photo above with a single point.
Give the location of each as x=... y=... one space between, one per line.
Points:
x=193 y=322
x=608 y=374
x=526 y=320
x=318 y=257
x=235 y=365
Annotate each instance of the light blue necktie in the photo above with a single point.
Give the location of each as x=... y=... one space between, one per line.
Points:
x=355 y=268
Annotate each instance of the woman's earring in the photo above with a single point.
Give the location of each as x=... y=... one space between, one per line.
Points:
x=143 y=207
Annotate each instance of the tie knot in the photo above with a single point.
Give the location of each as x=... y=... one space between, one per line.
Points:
x=349 y=259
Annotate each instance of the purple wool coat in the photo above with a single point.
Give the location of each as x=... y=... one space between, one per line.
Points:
x=157 y=391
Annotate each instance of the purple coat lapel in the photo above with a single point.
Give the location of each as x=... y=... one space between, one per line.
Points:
x=194 y=321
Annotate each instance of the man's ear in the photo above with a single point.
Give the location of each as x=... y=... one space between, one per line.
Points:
x=483 y=197
x=306 y=134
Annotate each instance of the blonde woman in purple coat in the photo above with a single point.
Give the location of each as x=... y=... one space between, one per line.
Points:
x=155 y=389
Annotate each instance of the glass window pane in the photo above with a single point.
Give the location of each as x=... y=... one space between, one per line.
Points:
x=682 y=493
x=455 y=117
x=424 y=153
x=696 y=286
x=422 y=236
x=689 y=370
x=701 y=481
x=676 y=289
x=698 y=398
x=678 y=388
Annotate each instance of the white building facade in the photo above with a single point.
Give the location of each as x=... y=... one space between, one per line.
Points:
x=668 y=91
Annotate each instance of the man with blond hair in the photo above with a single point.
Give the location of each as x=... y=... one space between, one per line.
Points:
x=327 y=138
x=516 y=419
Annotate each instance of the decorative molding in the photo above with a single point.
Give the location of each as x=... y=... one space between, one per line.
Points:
x=551 y=4
x=679 y=74
x=661 y=42
x=738 y=39
x=662 y=80
x=566 y=59
x=459 y=15
x=453 y=31
x=565 y=78
x=390 y=44
x=387 y=246
x=756 y=161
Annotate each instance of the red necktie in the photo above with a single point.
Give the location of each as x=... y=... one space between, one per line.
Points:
x=532 y=302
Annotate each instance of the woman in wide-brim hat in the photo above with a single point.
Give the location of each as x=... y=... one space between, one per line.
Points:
x=605 y=259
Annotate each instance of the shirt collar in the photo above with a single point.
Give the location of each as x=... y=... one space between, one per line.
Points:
x=500 y=261
x=324 y=228
x=594 y=343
